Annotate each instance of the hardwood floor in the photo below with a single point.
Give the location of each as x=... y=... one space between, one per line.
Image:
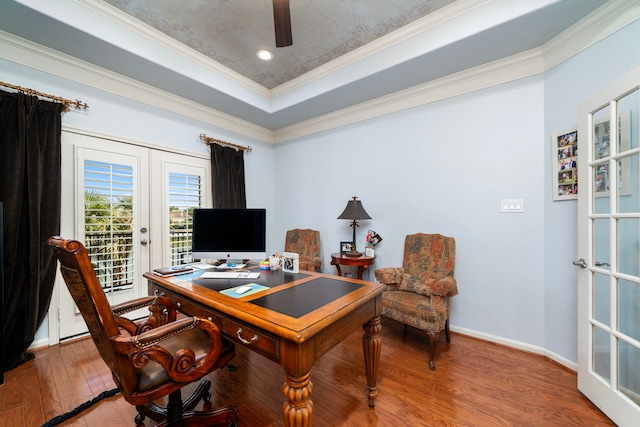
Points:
x=475 y=383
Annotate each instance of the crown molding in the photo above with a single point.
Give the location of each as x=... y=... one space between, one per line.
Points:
x=32 y=55
x=606 y=20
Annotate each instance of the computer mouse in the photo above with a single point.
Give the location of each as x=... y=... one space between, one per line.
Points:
x=243 y=289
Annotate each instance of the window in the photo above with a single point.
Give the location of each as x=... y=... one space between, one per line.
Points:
x=184 y=195
x=108 y=219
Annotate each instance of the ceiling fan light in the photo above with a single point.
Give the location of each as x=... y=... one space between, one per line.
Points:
x=264 y=54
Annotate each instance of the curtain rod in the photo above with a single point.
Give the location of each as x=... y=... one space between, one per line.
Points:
x=63 y=101
x=208 y=140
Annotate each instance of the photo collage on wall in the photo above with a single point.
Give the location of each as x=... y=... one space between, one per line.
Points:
x=565 y=150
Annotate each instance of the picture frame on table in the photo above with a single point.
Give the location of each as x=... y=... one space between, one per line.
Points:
x=564 y=153
x=345 y=247
x=290 y=262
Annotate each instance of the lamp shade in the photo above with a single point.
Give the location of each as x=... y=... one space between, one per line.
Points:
x=354 y=210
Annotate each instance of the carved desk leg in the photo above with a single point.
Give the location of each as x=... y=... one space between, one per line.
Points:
x=371 y=346
x=298 y=408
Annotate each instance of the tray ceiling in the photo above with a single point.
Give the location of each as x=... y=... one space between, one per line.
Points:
x=344 y=53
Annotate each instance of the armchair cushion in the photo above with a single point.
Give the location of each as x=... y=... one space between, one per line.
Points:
x=445 y=286
x=153 y=374
x=412 y=309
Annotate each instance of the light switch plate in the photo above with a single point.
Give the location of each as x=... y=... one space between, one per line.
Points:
x=512 y=205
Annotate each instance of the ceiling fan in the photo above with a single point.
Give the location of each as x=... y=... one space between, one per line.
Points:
x=282 y=23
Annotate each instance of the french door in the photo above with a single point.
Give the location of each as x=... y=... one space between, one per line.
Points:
x=110 y=189
x=609 y=247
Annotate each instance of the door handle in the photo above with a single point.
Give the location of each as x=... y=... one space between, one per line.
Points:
x=580 y=263
x=602 y=264
x=144 y=242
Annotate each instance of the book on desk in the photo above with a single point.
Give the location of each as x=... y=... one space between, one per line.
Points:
x=173 y=271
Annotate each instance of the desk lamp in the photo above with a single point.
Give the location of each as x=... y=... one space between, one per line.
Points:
x=354 y=211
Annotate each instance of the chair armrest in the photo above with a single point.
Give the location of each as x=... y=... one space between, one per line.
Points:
x=389 y=275
x=315 y=263
x=183 y=365
x=162 y=309
x=445 y=287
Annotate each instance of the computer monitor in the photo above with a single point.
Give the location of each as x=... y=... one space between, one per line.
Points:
x=231 y=234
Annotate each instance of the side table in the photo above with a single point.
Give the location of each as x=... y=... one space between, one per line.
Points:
x=362 y=262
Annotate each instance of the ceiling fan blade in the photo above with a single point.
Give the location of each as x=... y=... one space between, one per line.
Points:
x=282 y=21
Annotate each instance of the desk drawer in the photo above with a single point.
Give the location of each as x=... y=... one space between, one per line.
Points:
x=258 y=341
x=243 y=334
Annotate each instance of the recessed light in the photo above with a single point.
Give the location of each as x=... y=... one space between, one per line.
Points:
x=265 y=55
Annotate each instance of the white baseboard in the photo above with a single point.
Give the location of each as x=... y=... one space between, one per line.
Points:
x=43 y=342
x=518 y=345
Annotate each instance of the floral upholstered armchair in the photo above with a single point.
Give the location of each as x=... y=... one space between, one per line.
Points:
x=306 y=243
x=418 y=292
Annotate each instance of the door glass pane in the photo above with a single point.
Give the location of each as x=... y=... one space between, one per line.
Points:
x=601 y=298
x=601 y=186
x=601 y=133
x=627 y=119
x=601 y=249
x=628 y=200
x=629 y=377
x=601 y=353
x=184 y=196
x=108 y=218
x=628 y=244
x=629 y=308
x=600 y=152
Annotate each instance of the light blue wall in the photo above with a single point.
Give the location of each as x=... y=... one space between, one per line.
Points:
x=566 y=86
x=439 y=168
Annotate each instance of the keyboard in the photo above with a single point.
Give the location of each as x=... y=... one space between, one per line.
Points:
x=229 y=275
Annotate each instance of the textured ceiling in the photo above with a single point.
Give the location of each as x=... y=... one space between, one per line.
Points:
x=232 y=31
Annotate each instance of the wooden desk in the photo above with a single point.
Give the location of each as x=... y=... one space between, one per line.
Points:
x=362 y=262
x=294 y=322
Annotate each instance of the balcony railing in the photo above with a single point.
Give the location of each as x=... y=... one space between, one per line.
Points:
x=180 y=242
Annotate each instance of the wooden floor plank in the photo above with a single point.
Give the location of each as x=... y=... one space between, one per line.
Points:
x=31 y=402
x=476 y=383
x=48 y=393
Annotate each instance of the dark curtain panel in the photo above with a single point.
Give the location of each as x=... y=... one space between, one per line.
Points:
x=227 y=169
x=30 y=131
